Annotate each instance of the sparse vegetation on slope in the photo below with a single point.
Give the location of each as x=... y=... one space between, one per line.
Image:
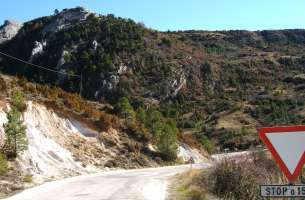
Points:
x=210 y=83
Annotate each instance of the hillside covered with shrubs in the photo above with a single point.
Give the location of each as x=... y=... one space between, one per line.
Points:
x=215 y=88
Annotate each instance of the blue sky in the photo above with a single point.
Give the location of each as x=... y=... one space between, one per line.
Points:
x=175 y=14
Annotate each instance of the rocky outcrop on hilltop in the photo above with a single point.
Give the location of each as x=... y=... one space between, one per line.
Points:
x=8 y=30
x=65 y=19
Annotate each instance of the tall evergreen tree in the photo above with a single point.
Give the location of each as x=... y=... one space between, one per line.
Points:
x=15 y=133
x=167 y=140
x=15 y=130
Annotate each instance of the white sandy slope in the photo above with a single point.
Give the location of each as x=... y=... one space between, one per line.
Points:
x=3 y=120
x=45 y=159
x=185 y=152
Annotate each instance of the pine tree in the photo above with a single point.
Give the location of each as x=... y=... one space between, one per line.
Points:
x=56 y=12
x=125 y=109
x=154 y=121
x=15 y=133
x=18 y=101
x=167 y=141
x=141 y=115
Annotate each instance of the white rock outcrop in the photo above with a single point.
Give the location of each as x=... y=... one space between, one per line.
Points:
x=9 y=30
x=38 y=49
x=186 y=153
x=65 y=19
x=3 y=120
x=95 y=45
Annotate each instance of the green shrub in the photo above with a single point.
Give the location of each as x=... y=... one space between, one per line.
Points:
x=153 y=121
x=124 y=109
x=141 y=115
x=187 y=124
x=197 y=195
x=138 y=131
x=235 y=139
x=215 y=48
x=28 y=178
x=3 y=165
x=18 y=101
x=166 y=42
x=206 y=143
x=167 y=140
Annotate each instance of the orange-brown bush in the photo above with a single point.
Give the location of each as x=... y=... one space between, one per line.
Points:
x=2 y=85
x=138 y=131
x=31 y=88
x=91 y=112
x=22 y=81
x=42 y=89
x=108 y=121
x=53 y=93
x=73 y=101
x=13 y=83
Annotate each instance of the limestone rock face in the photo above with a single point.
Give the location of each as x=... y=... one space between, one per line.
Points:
x=8 y=30
x=65 y=18
x=38 y=49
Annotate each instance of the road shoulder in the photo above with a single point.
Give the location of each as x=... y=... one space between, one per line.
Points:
x=186 y=186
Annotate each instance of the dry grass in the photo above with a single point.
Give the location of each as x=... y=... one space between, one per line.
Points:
x=190 y=186
x=230 y=180
x=241 y=180
x=236 y=120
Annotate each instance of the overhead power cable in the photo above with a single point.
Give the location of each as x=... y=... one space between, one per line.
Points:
x=39 y=66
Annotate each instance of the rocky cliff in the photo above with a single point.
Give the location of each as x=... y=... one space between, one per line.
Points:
x=8 y=30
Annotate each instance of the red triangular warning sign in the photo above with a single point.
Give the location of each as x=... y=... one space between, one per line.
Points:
x=287 y=146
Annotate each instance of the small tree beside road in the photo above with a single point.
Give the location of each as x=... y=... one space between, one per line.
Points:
x=15 y=130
